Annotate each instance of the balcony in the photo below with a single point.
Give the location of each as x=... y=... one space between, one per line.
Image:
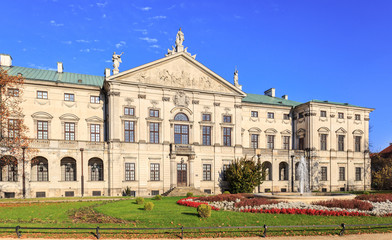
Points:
x=181 y=149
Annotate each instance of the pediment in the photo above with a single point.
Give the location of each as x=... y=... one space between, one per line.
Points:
x=179 y=71
x=255 y=129
x=357 y=132
x=271 y=131
x=341 y=130
x=69 y=117
x=41 y=115
x=323 y=130
x=286 y=132
x=94 y=119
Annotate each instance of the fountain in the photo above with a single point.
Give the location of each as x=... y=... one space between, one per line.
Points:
x=302 y=173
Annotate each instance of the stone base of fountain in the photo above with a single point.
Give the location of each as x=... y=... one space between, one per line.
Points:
x=306 y=197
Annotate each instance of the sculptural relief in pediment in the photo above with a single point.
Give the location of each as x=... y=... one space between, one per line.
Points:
x=179 y=74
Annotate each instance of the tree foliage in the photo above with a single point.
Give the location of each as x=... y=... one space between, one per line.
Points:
x=12 y=128
x=381 y=172
x=243 y=175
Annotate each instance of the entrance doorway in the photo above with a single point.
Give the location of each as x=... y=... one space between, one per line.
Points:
x=181 y=174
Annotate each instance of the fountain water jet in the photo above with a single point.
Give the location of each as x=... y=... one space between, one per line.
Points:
x=303 y=175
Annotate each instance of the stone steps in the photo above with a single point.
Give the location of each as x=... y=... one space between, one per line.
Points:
x=182 y=191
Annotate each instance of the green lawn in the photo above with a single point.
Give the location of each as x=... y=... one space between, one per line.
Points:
x=166 y=213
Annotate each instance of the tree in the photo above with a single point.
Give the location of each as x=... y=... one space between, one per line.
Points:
x=12 y=128
x=243 y=175
x=381 y=171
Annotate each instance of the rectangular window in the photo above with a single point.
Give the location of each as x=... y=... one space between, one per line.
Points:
x=129 y=111
x=154 y=113
x=94 y=99
x=69 y=97
x=300 y=115
x=13 y=128
x=286 y=116
x=357 y=143
x=69 y=131
x=42 y=129
x=357 y=117
x=206 y=117
x=225 y=167
x=12 y=172
x=42 y=94
x=95 y=133
x=154 y=171
x=341 y=115
x=254 y=141
x=323 y=142
x=358 y=174
x=342 y=173
x=227 y=119
x=340 y=142
x=206 y=135
x=254 y=114
x=301 y=143
x=154 y=132
x=270 y=141
x=13 y=92
x=226 y=136
x=323 y=113
x=271 y=115
x=42 y=172
x=206 y=172
x=324 y=174
x=129 y=131
x=181 y=134
x=129 y=172
x=286 y=142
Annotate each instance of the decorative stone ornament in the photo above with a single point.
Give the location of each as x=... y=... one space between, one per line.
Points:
x=181 y=100
x=116 y=62
x=179 y=47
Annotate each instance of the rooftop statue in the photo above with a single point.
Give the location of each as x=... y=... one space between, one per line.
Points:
x=179 y=47
x=116 y=62
x=179 y=38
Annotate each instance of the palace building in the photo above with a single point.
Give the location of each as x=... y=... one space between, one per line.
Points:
x=174 y=123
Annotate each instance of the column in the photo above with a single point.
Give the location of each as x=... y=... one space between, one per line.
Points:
x=173 y=171
x=191 y=171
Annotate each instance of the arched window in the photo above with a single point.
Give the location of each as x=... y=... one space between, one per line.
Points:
x=95 y=167
x=8 y=169
x=39 y=169
x=68 y=169
x=267 y=166
x=181 y=117
x=283 y=171
x=181 y=131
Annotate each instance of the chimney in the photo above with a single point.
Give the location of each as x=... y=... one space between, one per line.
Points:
x=107 y=72
x=285 y=97
x=270 y=92
x=5 y=60
x=60 y=67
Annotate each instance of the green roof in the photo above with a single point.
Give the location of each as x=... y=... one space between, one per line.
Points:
x=264 y=99
x=54 y=76
x=335 y=103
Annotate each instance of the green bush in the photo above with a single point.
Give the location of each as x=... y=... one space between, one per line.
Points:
x=126 y=191
x=189 y=194
x=148 y=206
x=139 y=200
x=158 y=197
x=226 y=192
x=204 y=211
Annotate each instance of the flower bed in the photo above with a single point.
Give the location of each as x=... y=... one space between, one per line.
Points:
x=241 y=203
x=377 y=197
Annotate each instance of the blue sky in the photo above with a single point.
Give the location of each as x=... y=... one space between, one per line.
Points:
x=329 y=50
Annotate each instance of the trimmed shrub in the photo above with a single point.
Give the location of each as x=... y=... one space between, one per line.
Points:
x=377 y=197
x=189 y=194
x=148 y=206
x=139 y=200
x=226 y=192
x=346 y=204
x=204 y=211
x=158 y=197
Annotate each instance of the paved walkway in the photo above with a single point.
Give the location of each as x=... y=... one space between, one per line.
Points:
x=378 y=236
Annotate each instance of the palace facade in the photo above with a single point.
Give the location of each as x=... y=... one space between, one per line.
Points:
x=174 y=123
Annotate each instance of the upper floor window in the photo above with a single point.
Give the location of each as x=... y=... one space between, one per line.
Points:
x=181 y=117
x=301 y=143
x=154 y=113
x=94 y=99
x=226 y=136
x=286 y=116
x=69 y=131
x=70 y=97
x=286 y=142
x=206 y=117
x=42 y=94
x=227 y=119
x=300 y=115
x=13 y=128
x=323 y=142
x=340 y=142
x=94 y=133
x=357 y=117
x=13 y=92
x=42 y=129
x=341 y=115
x=270 y=141
x=357 y=143
x=323 y=113
x=254 y=141
x=254 y=114
x=206 y=135
x=129 y=111
x=181 y=134
x=129 y=131
x=154 y=132
x=271 y=115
